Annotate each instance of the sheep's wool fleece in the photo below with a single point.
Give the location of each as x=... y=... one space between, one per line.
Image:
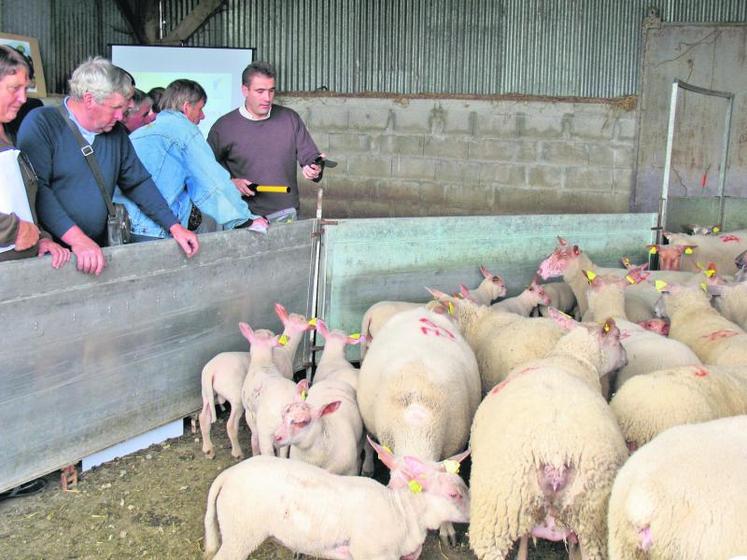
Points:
x=689 y=487
x=542 y=416
x=649 y=404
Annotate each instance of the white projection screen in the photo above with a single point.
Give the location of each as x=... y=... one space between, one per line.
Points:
x=217 y=70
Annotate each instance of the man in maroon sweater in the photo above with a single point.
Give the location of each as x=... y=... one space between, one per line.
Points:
x=262 y=143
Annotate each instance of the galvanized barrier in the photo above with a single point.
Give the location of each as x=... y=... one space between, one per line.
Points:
x=89 y=362
x=365 y=261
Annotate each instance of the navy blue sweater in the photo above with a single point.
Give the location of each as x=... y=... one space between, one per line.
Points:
x=68 y=194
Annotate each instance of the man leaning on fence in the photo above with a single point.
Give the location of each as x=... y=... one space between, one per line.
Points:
x=70 y=203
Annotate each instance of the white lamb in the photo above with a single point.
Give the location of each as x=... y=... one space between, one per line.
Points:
x=491 y=288
x=419 y=387
x=223 y=376
x=693 y=321
x=683 y=496
x=265 y=391
x=325 y=515
x=323 y=427
x=647 y=351
x=501 y=341
x=561 y=298
x=333 y=364
x=546 y=448
x=650 y=404
x=526 y=301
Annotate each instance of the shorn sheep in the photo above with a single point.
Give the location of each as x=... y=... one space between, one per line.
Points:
x=325 y=515
x=419 y=387
x=683 y=496
x=223 y=376
x=546 y=447
x=647 y=405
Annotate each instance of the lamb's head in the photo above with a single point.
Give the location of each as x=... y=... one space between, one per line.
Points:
x=676 y=297
x=670 y=256
x=600 y=344
x=536 y=293
x=439 y=481
x=559 y=260
x=300 y=420
x=293 y=323
x=261 y=340
x=463 y=311
x=337 y=338
x=695 y=229
x=492 y=285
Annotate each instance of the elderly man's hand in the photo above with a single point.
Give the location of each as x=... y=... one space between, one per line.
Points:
x=27 y=235
x=186 y=239
x=89 y=255
x=60 y=255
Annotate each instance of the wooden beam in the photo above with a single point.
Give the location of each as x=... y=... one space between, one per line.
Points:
x=193 y=21
x=133 y=22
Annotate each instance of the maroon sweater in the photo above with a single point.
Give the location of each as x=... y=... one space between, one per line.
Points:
x=264 y=152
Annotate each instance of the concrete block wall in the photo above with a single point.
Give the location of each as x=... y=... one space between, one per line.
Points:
x=430 y=157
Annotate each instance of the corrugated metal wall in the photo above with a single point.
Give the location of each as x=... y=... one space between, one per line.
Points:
x=586 y=48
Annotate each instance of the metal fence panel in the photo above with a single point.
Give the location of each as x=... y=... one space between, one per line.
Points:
x=88 y=362
x=370 y=260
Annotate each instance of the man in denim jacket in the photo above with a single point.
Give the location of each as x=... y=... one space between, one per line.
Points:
x=183 y=167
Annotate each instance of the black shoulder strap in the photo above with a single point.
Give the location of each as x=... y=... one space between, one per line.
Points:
x=87 y=150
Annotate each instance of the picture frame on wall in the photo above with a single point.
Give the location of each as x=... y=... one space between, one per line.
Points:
x=29 y=46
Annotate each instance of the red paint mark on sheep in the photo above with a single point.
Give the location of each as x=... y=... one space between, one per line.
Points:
x=431 y=328
x=730 y=238
x=723 y=333
x=498 y=388
x=701 y=372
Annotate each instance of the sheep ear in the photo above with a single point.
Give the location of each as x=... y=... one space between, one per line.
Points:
x=302 y=389
x=247 y=331
x=565 y=322
x=281 y=312
x=355 y=338
x=385 y=454
x=328 y=408
x=609 y=327
x=321 y=327
x=438 y=294
x=486 y=273
x=452 y=463
x=415 y=468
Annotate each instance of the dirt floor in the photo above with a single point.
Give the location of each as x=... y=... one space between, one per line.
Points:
x=149 y=505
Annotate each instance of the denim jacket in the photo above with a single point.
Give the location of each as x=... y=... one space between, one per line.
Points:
x=184 y=169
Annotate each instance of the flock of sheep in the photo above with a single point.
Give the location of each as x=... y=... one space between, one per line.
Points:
x=607 y=434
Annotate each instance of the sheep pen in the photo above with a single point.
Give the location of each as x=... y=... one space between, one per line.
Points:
x=151 y=504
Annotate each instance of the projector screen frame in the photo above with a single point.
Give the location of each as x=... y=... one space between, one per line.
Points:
x=221 y=98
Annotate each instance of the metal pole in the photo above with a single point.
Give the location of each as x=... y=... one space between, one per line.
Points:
x=314 y=286
x=664 y=197
x=724 y=162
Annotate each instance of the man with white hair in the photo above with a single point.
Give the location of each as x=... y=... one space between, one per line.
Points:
x=70 y=204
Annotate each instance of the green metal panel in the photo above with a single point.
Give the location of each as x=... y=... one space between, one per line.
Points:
x=704 y=211
x=369 y=260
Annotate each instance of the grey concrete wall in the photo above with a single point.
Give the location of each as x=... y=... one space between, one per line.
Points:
x=708 y=56
x=429 y=157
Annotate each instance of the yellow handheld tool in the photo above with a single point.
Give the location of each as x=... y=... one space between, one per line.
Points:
x=269 y=188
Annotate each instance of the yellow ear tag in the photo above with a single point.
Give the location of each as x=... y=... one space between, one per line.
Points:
x=716 y=229
x=652 y=250
x=704 y=287
x=415 y=487
x=304 y=394
x=606 y=328
x=630 y=279
x=710 y=273
x=590 y=275
x=283 y=340
x=385 y=448
x=355 y=335
x=688 y=251
x=312 y=321
x=451 y=466
x=626 y=262
x=660 y=285
x=451 y=308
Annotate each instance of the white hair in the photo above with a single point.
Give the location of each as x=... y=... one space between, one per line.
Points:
x=101 y=78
